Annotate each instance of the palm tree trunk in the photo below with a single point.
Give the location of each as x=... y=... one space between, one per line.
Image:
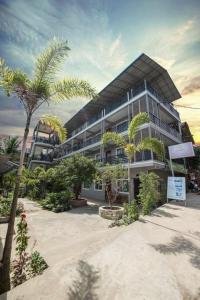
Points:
x=5 y=263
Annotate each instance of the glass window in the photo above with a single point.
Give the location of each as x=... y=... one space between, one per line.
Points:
x=98 y=185
x=120 y=152
x=122 y=185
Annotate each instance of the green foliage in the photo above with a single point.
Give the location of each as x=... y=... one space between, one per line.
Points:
x=8 y=180
x=5 y=206
x=77 y=170
x=10 y=145
x=33 y=182
x=55 y=124
x=73 y=87
x=36 y=265
x=153 y=144
x=114 y=137
x=57 y=202
x=20 y=263
x=25 y=266
x=131 y=213
x=148 y=193
x=138 y=120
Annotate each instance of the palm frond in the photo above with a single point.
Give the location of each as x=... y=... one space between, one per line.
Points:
x=72 y=87
x=55 y=124
x=152 y=144
x=138 y=120
x=114 y=137
x=130 y=150
x=48 y=62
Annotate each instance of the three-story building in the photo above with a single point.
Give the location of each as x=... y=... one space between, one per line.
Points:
x=144 y=86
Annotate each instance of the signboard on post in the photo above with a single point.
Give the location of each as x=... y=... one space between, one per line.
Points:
x=181 y=150
x=176 y=188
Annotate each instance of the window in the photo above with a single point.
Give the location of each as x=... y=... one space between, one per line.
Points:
x=122 y=185
x=98 y=185
x=120 y=152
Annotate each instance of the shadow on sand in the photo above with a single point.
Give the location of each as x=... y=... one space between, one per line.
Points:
x=84 y=287
x=178 y=245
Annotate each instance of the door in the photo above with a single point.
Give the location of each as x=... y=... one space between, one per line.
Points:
x=136 y=183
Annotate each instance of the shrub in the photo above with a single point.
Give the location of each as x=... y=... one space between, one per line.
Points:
x=131 y=213
x=148 y=193
x=5 y=206
x=37 y=264
x=57 y=202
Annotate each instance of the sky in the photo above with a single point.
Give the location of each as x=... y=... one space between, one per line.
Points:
x=104 y=36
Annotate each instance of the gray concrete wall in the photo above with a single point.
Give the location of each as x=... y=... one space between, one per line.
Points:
x=91 y=193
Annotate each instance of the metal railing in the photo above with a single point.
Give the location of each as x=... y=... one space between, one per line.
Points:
x=43 y=157
x=44 y=140
x=164 y=126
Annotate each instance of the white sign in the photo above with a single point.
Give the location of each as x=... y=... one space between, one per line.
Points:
x=176 y=188
x=181 y=150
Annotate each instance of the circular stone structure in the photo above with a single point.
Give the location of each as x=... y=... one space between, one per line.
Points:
x=114 y=213
x=78 y=203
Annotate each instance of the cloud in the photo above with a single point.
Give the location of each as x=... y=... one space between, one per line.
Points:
x=192 y=86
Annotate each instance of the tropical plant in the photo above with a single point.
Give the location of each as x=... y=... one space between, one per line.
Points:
x=131 y=147
x=32 y=93
x=108 y=175
x=10 y=145
x=36 y=265
x=5 y=206
x=131 y=213
x=57 y=202
x=55 y=124
x=76 y=171
x=20 y=263
x=148 y=192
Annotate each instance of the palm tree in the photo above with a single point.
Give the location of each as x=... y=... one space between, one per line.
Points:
x=10 y=145
x=131 y=148
x=55 y=124
x=32 y=93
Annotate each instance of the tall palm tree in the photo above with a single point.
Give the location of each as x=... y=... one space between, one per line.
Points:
x=32 y=93
x=131 y=147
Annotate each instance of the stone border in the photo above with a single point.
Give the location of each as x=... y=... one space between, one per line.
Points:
x=111 y=214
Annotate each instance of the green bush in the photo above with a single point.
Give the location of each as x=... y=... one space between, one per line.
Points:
x=37 y=264
x=148 y=193
x=131 y=213
x=5 y=206
x=57 y=202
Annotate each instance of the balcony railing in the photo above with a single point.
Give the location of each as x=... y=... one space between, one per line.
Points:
x=164 y=126
x=44 y=140
x=162 y=100
x=43 y=157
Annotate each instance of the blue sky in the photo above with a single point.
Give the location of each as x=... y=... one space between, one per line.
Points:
x=104 y=37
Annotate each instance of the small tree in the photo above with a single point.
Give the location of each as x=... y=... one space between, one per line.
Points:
x=77 y=170
x=148 y=193
x=109 y=175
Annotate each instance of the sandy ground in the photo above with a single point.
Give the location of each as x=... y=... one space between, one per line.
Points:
x=157 y=257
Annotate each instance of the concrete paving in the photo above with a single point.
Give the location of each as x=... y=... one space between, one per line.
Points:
x=157 y=257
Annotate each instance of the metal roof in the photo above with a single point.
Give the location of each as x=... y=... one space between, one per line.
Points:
x=143 y=68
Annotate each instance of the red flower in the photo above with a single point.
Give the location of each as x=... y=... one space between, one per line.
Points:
x=23 y=215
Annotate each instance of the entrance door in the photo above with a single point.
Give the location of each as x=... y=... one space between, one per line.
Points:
x=136 y=183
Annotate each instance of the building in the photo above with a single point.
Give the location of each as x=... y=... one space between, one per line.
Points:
x=144 y=86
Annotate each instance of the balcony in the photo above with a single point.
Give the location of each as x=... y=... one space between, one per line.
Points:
x=43 y=157
x=164 y=126
x=50 y=141
x=163 y=101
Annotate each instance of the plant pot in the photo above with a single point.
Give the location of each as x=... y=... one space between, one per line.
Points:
x=115 y=213
x=78 y=203
x=4 y=220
